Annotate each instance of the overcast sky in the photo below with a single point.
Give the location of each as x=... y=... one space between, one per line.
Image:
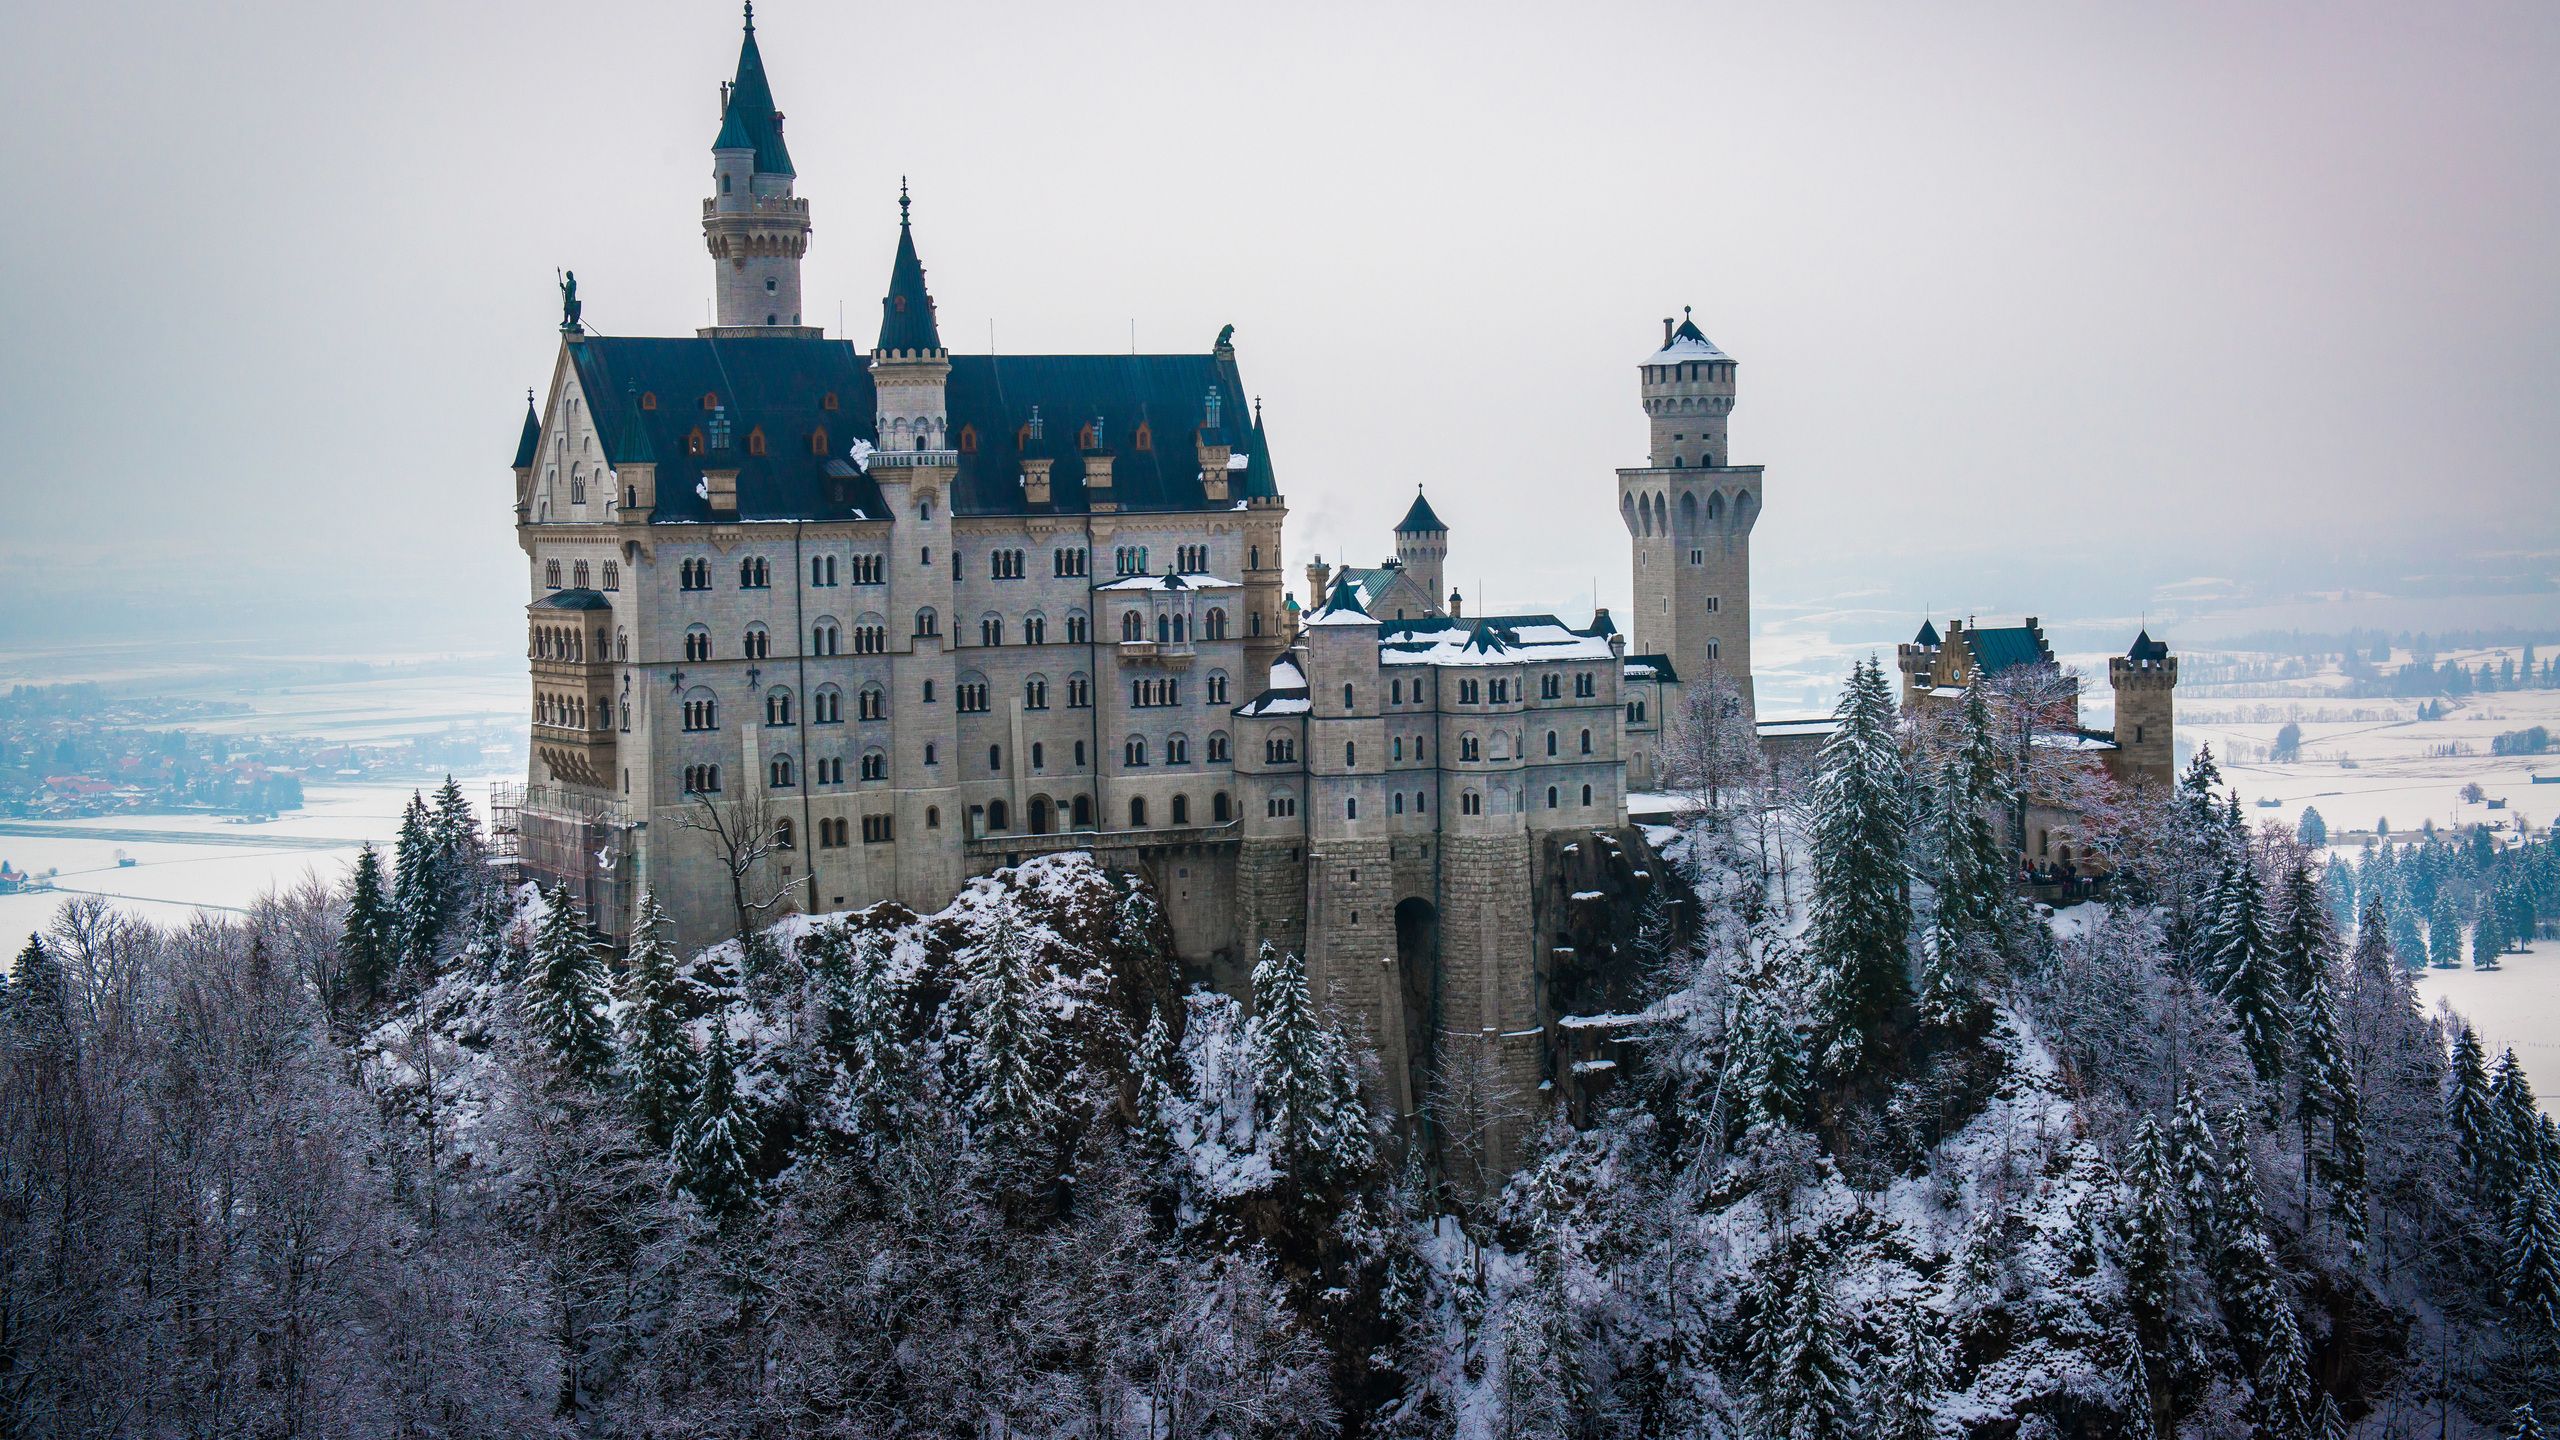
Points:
x=2121 y=292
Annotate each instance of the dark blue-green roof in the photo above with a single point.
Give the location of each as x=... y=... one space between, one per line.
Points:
x=529 y=442
x=2007 y=646
x=780 y=384
x=1928 y=636
x=906 y=312
x=749 y=120
x=2148 y=650
x=1420 y=517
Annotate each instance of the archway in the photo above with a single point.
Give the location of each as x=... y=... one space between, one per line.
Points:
x=1043 y=814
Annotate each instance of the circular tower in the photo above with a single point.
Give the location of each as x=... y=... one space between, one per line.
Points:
x=1422 y=547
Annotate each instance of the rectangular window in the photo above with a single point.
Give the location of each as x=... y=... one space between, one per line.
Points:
x=878 y=829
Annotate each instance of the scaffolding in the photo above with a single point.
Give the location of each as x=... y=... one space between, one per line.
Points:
x=575 y=842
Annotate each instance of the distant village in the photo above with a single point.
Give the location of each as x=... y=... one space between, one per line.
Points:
x=77 y=751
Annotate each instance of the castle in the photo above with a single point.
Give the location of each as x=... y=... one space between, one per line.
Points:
x=812 y=627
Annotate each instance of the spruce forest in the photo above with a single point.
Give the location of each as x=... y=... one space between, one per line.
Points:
x=1889 y=1153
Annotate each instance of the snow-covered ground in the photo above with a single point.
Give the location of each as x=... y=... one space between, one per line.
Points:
x=2369 y=760
x=2517 y=1004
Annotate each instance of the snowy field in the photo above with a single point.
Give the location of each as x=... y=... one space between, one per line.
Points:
x=2516 y=1005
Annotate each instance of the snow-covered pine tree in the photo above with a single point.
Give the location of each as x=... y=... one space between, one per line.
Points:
x=1811 y=1394
x=565 y=992
x=2148 y=1229
x=1160 y=1084
x=2467 y=1111
x=2532 y=1276
x=2444 y=931
x=457 y=839
x=1304 y=1082
x=2515 y=1125
x=868 y=1028
x=658 y=1059
x=1764 y=1076
x=2408 y=940
x=2305 y=943
x=2338 y=892
x=1966 y=907
x=417 y=894
x=2246 y=1280
x=1011 y=1112
x=1859 y=939
x=716 y=1144
x=369 y=946
x=2243 y=966
x=1914 y=1375
x=2327 y=1099
x=2282 y=1396
x=2527 y=1425
x=2196 y=1153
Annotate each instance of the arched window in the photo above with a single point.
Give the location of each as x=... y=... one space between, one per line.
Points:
x=1586 y=742
x=1689 y=510
x=1181 y=809
x=1137 y=812
x=997 y=816
x=928 y=623
x=1133 y=752
x=825 y=638
x=701 y=709
x=1350 y=755
x=1218 y=747
x=1470 y=803
x=1219 y=810
x=1217 y=687
x=995 y=759
x=780 y=771
x=1551 y=797
x=1132 y=629
x=991 y=631
x=1215 y=627
x=1164 y=629
x=968 y=439
x=827 y=706
x=777 y=706
x=1083 y=812
x=875 y=703
x=1586 y=796
x=1551 y=742
x=758 y=643
x=1346 y=697
x=875 y=765
x=924 y=507
x=1039 y=755
x=1035 y=629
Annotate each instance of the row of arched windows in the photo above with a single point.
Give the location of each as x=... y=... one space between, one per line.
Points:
x=1650 y=514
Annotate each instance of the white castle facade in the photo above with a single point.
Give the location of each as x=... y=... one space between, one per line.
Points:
x=820 y=627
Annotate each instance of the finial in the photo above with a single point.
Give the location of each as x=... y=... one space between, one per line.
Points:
x=1257 y=412
x=1684 y=312
x=751 y=16
x=902 y=201
x=528 y=395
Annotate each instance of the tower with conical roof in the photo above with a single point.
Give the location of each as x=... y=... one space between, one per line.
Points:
x=1689 y=512
x=1422 y=547
x=2145 y=679
x=756 y=229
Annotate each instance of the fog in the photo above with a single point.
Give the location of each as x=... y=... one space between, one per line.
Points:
x=2036 y=307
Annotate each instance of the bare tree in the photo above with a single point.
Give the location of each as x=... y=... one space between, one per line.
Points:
x=1711 y=750
x=743 y=834
x=1475 y=1113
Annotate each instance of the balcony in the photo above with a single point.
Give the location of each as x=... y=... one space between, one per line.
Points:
x=578 y=757
x=1162 y=654
x=913 y=460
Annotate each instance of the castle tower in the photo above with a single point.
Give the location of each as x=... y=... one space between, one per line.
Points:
x=1422 y=547
x=756 y=230
x=1269 y=625
x=1350 y=872
x=1917 y=659
x=2145 y=680
x=1689 y=514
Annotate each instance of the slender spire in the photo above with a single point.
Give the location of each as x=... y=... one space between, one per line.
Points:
x=906 y=312
x=748 y=117
x=529 y=441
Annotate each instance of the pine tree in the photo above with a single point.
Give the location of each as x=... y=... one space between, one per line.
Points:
x=1304 y=1082
x=2532 y=1278
x=2467 y=1112
x=2246 y=1280
x=715 y=1145
x=1861 y=911
x=565 y=994
x=1159 y=1064
x=2282 y=1392
x=658 y=1059
x=2243 y=966
x=39 y=1011
x=2305 y=943
x=2407 y=940
x=2197 y=1154
x=2328 y=1098
x=457 y=837
x=418 y=893
x=1811 y=1395
x=1966 y=919
x=868 y=1028
x=2515 y=1121
x=1011 y=1109
x=2444 y=932
x=2312 y=830
x=2486 y=940
x=2148 y=1228
x=2338 y=892
x=1915 y=1372
x=370 y=944
x=2527 y=1427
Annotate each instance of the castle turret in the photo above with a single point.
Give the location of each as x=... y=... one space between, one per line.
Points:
x=1917 y=659
x=755 y=228
x=2145 y=680
x=1422 y=545
x=1689 y=514
x=909 y=365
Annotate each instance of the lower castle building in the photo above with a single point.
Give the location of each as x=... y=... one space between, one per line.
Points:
x=812 y=627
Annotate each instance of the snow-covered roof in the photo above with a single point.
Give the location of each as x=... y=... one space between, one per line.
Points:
x=1683 y=349
x=1818 y=725
x=2075 y=742
x=1286 y=694
x=1285 y=675
x=1185 y=581
x=1492 y=640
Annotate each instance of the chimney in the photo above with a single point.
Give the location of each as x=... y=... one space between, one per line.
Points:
x=1457 y=606
x=1666 y=332
x=1035 y=480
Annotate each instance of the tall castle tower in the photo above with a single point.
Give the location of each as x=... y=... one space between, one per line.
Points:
x=2145 y=680
x=1422 y=547
x=1689 y=514
x=756 y=230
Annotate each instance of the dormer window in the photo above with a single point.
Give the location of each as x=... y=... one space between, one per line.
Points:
x=710 y=401
x=693 y=441
x=755 y=441
x=818 y=441
x=968 y=439
x=1086 y=439
x=648 y=399
x=830 y=402
x=898 y=304
x=1146 y=437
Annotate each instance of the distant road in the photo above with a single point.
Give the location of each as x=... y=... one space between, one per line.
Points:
x=249 y=837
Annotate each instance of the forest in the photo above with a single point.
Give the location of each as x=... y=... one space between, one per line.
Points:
x=1891 y=1153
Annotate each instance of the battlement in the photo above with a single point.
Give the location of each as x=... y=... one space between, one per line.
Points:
x=2126 y=673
